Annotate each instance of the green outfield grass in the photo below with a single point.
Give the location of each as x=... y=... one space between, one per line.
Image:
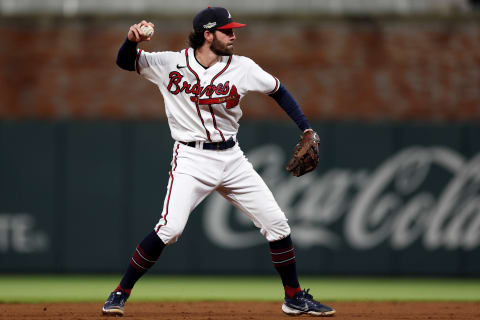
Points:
x=39 y=288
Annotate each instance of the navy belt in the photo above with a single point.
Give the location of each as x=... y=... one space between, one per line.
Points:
x=212 y=145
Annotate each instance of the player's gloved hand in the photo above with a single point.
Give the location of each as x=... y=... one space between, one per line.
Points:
x=305 y=154
x=135 y=33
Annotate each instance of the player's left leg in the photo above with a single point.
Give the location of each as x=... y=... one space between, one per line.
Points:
x=245 y=189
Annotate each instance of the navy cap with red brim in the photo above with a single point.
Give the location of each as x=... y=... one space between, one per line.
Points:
x=213 y=18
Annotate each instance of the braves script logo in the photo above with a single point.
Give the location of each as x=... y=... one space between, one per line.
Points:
x=228 y=95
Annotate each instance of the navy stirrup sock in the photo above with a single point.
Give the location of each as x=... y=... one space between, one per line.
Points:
x=144 y=257
x=283 y=258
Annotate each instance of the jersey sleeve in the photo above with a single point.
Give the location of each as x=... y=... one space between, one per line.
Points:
x=151 y=65
x=259 y=80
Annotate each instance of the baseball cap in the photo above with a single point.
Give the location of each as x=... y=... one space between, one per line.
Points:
x=213 y=18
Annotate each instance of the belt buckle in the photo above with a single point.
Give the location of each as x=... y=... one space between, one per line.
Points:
x=218 y=146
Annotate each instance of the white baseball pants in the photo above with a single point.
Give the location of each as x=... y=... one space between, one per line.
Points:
x=195 y=173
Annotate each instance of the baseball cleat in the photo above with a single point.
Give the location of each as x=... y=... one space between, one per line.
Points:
x=303 y=303
x=115 y=304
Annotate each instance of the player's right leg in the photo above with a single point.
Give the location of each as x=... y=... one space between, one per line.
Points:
x=188 y=185
x=185 y=193
x=143 y=258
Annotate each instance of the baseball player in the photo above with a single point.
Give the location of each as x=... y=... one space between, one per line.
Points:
x=202 y=87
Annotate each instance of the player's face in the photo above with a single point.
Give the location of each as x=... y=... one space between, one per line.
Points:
x=222 y=44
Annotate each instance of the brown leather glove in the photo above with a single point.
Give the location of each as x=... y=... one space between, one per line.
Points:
x=305 y=154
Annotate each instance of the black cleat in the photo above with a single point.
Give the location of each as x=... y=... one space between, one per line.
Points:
x=115 y=304
x=303 y=303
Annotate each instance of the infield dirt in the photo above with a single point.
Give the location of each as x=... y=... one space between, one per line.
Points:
x=243 y=310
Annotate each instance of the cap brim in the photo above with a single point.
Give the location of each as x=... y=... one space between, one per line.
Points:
x=232 y=25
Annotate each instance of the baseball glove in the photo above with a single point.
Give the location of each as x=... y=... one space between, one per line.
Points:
x=305 y=154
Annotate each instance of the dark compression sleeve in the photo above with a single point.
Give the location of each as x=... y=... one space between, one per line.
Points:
x=291 y=107
x=127 y=55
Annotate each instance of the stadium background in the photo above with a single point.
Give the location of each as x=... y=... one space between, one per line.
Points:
x=393 y=87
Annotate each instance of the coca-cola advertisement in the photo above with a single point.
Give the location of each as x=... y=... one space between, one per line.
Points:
x=390 y=204
x=388 y=199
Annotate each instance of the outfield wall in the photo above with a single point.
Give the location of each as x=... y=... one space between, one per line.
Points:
x=358 y=68
x=387 y=198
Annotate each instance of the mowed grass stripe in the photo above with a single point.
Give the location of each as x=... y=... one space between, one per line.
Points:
x=53 y=288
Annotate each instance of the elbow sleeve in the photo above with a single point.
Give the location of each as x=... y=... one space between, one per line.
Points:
x=127 y=55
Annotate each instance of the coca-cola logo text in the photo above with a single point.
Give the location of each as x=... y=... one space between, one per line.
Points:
x=399 y=202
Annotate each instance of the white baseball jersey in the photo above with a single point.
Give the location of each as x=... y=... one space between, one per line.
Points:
x=203 y=104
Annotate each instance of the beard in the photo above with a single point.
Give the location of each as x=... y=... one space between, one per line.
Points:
x=219 y=48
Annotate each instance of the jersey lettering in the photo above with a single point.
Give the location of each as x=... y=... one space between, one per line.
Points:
x=230 y=95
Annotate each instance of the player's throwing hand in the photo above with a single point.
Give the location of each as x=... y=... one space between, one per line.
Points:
x=136 y=33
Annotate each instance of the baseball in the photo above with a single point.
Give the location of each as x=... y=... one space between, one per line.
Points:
x=147 y=31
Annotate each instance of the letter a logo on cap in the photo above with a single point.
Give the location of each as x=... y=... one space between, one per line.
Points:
x=229 y=15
